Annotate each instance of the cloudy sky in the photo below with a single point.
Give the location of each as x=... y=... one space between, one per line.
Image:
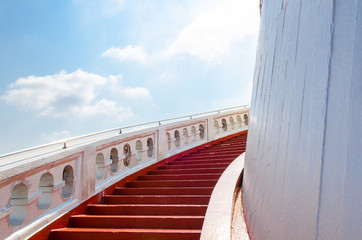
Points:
x=73 y=67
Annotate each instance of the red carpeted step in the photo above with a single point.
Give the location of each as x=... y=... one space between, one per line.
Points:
x=164 y=191
x=180 y=176
x=173 y=183
x=147 y=209
x=194 y=166
x=201 y=161
x=136 y=221
x=187 y=171
x=213 y=156
x=205 y=159
x=156 y=199
x=217 y=151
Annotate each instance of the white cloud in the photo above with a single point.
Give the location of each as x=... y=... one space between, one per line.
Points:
x=137 y=92
x=129 y=53
x=213 y=32
x=106 y=107
x=75 y=94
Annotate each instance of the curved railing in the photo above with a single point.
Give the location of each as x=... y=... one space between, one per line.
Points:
x=40 y=184
x=91 y=136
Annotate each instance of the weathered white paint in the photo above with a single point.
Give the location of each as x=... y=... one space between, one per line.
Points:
x=82 y=160
x=303 y=160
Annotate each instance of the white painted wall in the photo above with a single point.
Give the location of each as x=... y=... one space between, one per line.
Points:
x=303 y=166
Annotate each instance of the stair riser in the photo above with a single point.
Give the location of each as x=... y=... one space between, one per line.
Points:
x=114 y=199
x=56 y=235
x=180 y=177
x=196 y=162
x=212 y=157
x=194 y=166
x=164 y=191
x=214 y=151
x=147 y=210
x=208 y=183
x=222 y=149
x=232 y=145
x=131 y=222
x=187 y=171
x=205 y=159
x=217 y=155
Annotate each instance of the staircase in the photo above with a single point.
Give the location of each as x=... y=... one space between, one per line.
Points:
x=167 y=203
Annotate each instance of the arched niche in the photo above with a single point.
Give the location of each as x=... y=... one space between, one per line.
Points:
x=150 y=147
x=224 y=125
x=185 y=134
x=177 y=138
x=202 y=131
x=138 y=150
x=19 y=200
x=193 y=133
x=114 y=158
x=100 y=166
x=231 y=121
x=68 y=178
x=46 y=187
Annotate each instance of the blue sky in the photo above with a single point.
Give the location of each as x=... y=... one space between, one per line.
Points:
x=73 y=67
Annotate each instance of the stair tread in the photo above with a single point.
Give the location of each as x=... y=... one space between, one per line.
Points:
x=138 y=216
x=179 y=188
x=147 y=205
x=154 y=196
x=126 y=230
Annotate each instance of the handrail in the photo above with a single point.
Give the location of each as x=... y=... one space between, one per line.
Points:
x=64 y=142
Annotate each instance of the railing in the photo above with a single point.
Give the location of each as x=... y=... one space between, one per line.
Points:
x=40 y=188
x=119 y=130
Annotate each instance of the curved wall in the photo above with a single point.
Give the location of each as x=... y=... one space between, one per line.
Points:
x=303 y=166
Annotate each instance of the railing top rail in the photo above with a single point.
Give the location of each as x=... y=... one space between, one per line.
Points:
x=65 y=141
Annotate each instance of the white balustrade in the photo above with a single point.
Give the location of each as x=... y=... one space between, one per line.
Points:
x=38 y=189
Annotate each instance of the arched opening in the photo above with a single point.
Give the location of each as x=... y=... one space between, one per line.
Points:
x=19 y=199
x=68 y=178
x=202 y=131
x=185 y=136
x=138 y=150
x=224 y=125
x=46 y=187
x=216 y=126
x=99 y=166
x=231 y=120
x=114 y=158
x=168 y=135
x=193 y=133
x=238 y=119
x=150 y=147
x=127 y=154
x=177 y=138
x=246 y=119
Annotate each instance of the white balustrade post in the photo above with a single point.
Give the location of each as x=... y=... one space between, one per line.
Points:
x=87 y=173
x=210 y=129
x=162 y=144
